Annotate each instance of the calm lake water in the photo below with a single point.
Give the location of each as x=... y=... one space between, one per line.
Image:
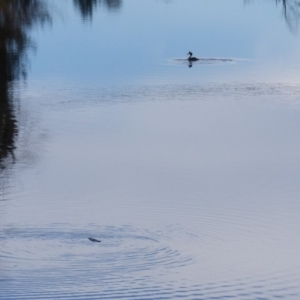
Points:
x=188 y=173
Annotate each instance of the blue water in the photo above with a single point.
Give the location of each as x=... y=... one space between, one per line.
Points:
x=189 y=175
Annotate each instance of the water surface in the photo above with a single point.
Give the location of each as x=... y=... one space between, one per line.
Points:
x=189 y=175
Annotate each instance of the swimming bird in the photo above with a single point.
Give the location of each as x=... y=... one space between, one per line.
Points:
x=94 y=240
x=192 y=58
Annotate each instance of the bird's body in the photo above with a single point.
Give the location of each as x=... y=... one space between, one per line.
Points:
x=191 y=57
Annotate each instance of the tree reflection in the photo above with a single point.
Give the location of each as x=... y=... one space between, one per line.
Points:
x=87 y=7
x=291 y=12
x=16 y=18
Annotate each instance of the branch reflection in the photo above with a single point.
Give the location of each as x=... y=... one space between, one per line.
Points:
x=16 y=18
x=290 y=10
x=87 y=7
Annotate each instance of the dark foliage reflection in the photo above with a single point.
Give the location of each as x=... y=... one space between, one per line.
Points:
x=87 y=7
x=16 y=18
x=290 y=10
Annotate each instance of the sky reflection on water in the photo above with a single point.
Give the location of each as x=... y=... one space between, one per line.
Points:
x=128 y=47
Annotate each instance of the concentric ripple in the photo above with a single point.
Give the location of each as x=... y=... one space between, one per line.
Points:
x=129 y=263
x=30 y=254
x=120 y=248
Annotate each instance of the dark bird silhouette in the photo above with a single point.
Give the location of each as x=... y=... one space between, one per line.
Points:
x=94 y=240
x=191 y=57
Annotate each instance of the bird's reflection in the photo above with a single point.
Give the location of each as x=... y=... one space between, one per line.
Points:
x=17 y=17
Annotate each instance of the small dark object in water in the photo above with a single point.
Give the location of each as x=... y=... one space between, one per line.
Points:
x=94 y=240
x=191 y=58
